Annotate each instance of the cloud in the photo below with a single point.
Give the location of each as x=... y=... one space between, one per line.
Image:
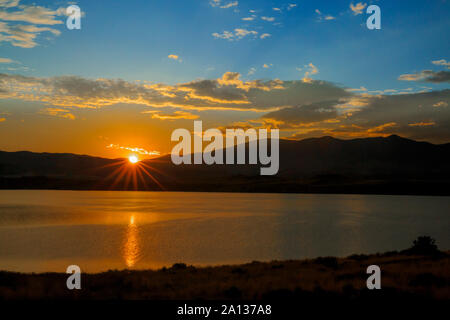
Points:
x=58 y=112
x=291 y=6
x=360 y=89
x=311 y=70
x=358 y=8
x=267 y=66
x=7 y=60
x=441 y=62
x=228 y=92
x=305 y=114
x=321 y=16
x=251 y=71
x=422 y=124
x=133 y=149
x=440 y=104
x=411 y=115
x=24 y=35
x=249 y=18
x=270 y=19
x=174 y=57
x=218 y=3
x=229 y=5
x=238 y=34
x=427 y=76
x=276 y=9
x=381 y=127
x=9 y=3
x=32 y=14
x=171 y=115
x=265 y=35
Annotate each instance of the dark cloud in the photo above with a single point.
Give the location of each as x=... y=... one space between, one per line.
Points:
x=427 y=76
x=305 y=114
x=418 y=116
x=227 y=92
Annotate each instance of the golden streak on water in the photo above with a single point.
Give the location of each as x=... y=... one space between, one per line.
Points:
x=131 y=244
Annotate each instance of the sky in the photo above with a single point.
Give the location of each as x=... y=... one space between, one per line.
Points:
x=137 y=70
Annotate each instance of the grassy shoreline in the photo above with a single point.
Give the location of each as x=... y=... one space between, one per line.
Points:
x=404 y=275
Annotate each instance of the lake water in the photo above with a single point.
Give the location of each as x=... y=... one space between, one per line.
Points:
x=50 y=230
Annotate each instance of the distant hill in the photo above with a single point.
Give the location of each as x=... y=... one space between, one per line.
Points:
x=391 y=165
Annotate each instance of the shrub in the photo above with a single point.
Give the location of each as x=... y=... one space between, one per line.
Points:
x=424 y=245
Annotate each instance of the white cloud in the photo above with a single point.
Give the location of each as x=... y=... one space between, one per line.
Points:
x=360 y=89
x=291 y=6
x=324 y=17
x=358 y=8
x=265 y=35
x=9 y=3
x=270 y=19
x=32 y=14
x=132 y=149
x=218 y=3
x=310 y=70
x=7 y=60
x=24 y=35
x=238 y=34
x=229 y=5
x=249 y=18
x=441 y=62
x=251 y=71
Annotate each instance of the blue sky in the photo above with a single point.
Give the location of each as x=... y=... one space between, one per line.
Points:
x=132 y=39
x=309 y=68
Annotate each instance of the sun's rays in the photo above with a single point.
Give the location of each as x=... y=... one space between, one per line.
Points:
x=131 y=174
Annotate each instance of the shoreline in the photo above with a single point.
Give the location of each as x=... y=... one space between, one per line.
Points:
x=331 y=192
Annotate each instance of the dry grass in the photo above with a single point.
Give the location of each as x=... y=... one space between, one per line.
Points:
x=402 y=276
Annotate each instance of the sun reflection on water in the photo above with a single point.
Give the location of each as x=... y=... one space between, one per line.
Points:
x=131 y=248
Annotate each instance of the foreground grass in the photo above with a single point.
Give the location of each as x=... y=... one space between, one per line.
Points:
x=402 y=276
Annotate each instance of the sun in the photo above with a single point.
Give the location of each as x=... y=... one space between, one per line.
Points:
x=133 y=159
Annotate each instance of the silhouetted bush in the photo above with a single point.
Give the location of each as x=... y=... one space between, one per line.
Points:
x=358 y=257
x=424 y=245
x=179 y=266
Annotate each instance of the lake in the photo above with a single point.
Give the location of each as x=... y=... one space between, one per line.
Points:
x=44 y=230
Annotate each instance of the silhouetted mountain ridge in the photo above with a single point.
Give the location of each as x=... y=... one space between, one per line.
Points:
x=365 y=165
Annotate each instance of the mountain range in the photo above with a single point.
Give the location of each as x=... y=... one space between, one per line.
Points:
x=381 y=165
